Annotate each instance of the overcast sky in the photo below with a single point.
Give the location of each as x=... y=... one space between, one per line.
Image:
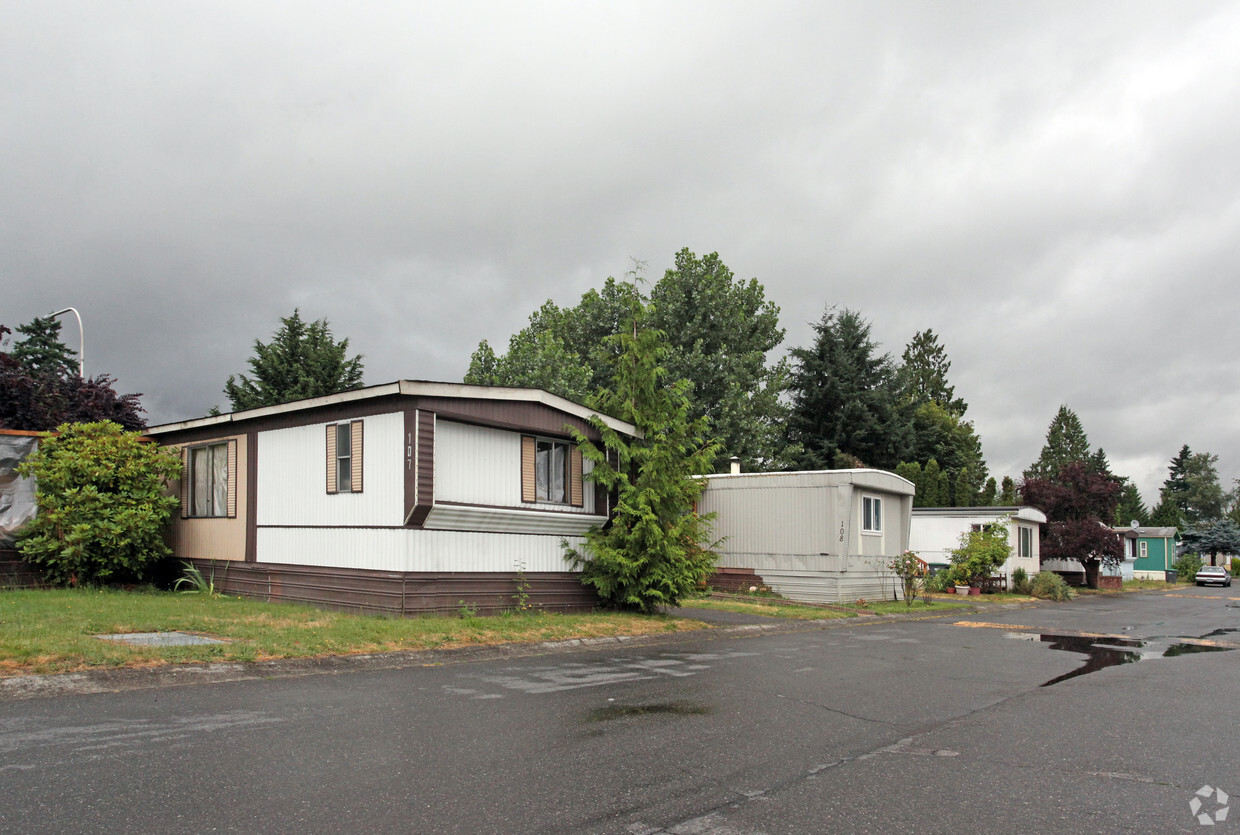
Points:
x=1053 y=187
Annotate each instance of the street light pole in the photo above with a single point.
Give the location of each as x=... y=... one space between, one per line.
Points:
x=81 y=335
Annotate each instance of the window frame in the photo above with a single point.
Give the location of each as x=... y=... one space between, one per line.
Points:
x=532 y=463
x=545 y=469
x=221 y=506
x=1143 y=549
x=871 y=521
x=350 y=457
x=1024 y=537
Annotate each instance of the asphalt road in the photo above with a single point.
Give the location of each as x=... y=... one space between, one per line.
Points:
x=934 y=725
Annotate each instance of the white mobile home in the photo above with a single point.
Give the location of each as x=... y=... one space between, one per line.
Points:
x=408 y=497
x=937 y=530
x=822 y=536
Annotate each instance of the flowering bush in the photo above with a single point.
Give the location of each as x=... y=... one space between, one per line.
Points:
x=911 y=570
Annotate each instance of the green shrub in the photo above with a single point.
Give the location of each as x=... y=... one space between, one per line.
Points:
x=939 y=581
x=1048 y=585
x=980 y=553
x=102 y=504
x=1235 y=566
x=1020 y=581
x=1187 y=566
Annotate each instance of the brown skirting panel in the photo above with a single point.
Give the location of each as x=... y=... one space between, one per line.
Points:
x=15 y=573
x=398 y=592
x=734 y=579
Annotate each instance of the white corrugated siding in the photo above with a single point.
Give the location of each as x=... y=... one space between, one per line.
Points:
x=482 y=465
x=404 y=550
x=934 y=536
x=292 y=477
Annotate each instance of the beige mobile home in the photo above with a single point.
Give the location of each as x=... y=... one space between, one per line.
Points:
x=821 y=537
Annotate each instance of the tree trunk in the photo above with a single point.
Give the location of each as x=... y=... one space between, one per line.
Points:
x=1091 y=573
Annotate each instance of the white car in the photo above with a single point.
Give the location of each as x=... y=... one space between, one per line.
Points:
x=1213 y=574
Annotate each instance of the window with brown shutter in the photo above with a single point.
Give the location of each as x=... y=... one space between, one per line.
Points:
x=344 y=457
x=551 y=472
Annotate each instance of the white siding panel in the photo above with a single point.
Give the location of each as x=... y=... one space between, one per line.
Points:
x=292 y=475
x=457 y=518
x=481 y=465
x=405 y=550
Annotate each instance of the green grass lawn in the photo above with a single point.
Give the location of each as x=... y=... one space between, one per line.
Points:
x=893 y=607
x=777 y=608
x=52 y=630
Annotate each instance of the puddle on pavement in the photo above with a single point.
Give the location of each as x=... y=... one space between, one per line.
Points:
x=1218 y=633
x=1101 y=652
x=606 y=714
x=1189 y=649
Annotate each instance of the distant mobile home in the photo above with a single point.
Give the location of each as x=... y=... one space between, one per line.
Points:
x=1154 y=552
x=819 y=536
x=410 y=497
x=936 y=531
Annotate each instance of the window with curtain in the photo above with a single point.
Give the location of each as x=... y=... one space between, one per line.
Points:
x=208 y=477
x=551 y=471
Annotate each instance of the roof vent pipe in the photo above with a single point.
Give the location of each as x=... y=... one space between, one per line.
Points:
x=736 y=465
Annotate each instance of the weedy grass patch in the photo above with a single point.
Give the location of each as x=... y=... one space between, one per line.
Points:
x=767 y=608
x=53 y=630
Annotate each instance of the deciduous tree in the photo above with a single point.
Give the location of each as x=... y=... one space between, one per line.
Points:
x=1077 y=502
x=719 y=331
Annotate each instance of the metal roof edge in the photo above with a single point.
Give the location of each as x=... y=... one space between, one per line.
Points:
x=424 y=388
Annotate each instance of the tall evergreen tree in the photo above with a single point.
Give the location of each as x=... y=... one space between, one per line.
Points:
x=950 y=440
x=1066 y=442
x=1130 y=506
x=990 y=493
x=843 y=398
x=655 y=549
x=301 y=360
x=933 y=487
x=1193 y=488
x=1008 y=495
x=40 y=401
x=923 y=374
x=41 y=352
x=911 y=470
x=1166 y=515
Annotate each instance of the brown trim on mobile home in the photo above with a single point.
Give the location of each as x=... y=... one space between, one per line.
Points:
x=405 y=593
x=251 y=497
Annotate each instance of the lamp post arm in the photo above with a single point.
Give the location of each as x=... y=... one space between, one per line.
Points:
x=81 y=336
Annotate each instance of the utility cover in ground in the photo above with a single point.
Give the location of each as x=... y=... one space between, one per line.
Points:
x=160 y=639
